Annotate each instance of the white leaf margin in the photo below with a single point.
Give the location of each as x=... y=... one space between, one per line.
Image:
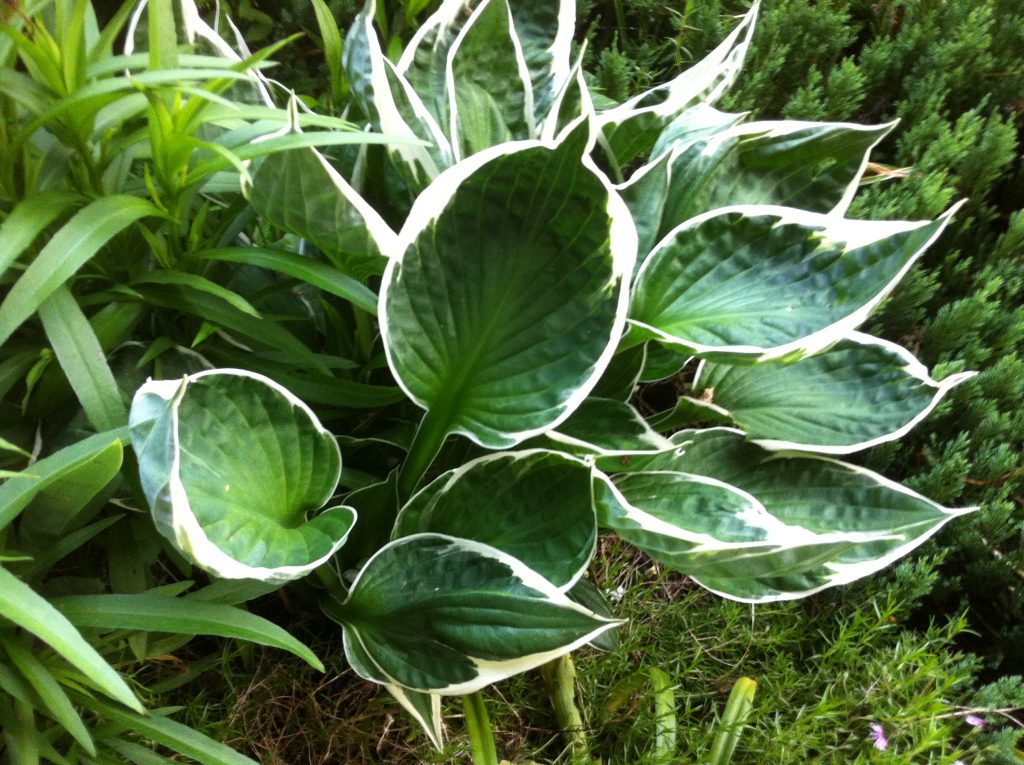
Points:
x=451 y=85
x=912 y=366
x=452 y=477
x=845 y=573
x=851 y=233
x=189 y=534
x=658 y=442
x=772 y=129
x=410 y=150
x=433 y=201
x=489 y=672
x=717 y=71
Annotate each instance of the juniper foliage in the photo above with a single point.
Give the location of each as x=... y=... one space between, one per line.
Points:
x=953 y=74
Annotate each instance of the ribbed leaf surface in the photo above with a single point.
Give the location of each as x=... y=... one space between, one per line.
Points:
x=508 y=299
x=858 y=393
x=445 y=615
x=534 y=505
x=767 y=282
x=231 y=464
x=809 y=523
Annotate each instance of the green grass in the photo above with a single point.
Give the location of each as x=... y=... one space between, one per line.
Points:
x=826 y=668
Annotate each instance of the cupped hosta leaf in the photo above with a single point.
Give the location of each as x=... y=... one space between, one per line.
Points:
x=488 y=83
x=231 y=463
x=632 y=128
x=444 y=615
x=300 y=192
x=814 y=523
x=860 y=392
x=508 y=299
x=607 y=427
x=765 y=282
x=534 y=505
x=812 y=166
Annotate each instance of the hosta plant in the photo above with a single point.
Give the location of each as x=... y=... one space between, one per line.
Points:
x=522 y=260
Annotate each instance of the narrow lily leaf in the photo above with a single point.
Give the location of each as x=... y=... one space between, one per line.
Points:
x=608 y=427
x=300 y=192
x=499 y=318
x=813 y=166
x=534 y=505
x=231 y=463
x=763 y=282
x=174 y=735
x=23 y=607
x=54 y=699
x=94 y=453
x=633 y=128
x=58 y=503
x=28 y=219
x=487 y=75
x=369 y=74
x=67 y=251
x=321 y=275
x=425 y=708
x=438 y=614
x=82 y=360
x=260 y=331
x=814 y=522
x=157 y=613
x=860 y=392
x=545 y=32
x=195 y=283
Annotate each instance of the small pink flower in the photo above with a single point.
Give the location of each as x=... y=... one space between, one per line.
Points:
x=974 y=720
x=877 y=736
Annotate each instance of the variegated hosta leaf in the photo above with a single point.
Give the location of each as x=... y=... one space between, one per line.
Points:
x=645 y=195
x=231 y=464
x=699 y=122
x=392 y=105
x=764 y=282
x=534 y=505
x=300 y=192
x=812 y=166
x=545 y=32
x=802 y=523
x=860 y=392
x=489 y=91
x=509 y=297
x=607 y=427
x=632 y=129
x=424 y=62
x=620 y=379
x=571 y=102
x=443 y=615
x=425 y=709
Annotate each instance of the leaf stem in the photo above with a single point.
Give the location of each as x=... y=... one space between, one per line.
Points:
x=560 y=678
x=426 y=443
x=737 y=710
x=478 y=726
